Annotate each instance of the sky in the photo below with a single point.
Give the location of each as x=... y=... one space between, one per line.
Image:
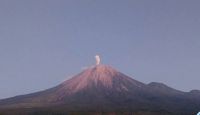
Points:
x=43 y=43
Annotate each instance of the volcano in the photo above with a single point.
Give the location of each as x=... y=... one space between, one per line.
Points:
x=104 y=88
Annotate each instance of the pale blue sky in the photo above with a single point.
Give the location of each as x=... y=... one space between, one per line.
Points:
x=44 y=42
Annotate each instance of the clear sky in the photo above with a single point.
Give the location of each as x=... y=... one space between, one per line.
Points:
x=44 y=42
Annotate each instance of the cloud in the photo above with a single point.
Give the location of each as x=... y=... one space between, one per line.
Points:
x=84 y=68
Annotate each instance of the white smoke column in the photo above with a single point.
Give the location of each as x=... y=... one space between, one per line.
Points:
x=97 y=59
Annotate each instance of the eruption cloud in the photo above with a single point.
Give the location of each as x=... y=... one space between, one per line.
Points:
x=97 y=59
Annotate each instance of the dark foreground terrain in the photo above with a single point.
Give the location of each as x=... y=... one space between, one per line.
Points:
x=63 y=111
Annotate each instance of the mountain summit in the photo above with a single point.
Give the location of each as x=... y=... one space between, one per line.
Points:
x=100 y=78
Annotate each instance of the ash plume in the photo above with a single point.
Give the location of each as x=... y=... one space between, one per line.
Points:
x=97 y=59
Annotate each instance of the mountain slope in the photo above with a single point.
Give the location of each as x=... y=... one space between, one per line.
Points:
x=101 y=81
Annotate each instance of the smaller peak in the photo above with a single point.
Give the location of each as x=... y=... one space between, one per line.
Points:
x=195 y=90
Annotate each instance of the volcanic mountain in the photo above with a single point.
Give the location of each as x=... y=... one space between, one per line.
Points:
x=96 y=84
x=105 y=88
